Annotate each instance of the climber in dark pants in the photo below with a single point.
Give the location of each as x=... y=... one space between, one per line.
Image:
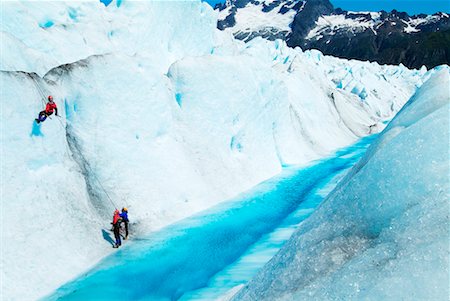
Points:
x=124 y=216
x=49 y=108
x=116 y=228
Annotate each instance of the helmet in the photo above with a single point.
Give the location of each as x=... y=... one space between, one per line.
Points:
x=125 y=209
x=50 y=97
x=116 y=212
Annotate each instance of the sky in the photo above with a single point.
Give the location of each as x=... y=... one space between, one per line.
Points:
x=412 y=7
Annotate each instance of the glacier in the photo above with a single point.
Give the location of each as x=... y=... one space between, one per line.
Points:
x=382 y=234
x=163 y=115
x=171 y=264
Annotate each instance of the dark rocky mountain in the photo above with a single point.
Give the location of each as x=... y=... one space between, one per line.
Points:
x=386 y=37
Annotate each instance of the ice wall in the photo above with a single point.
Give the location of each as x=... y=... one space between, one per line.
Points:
x=161 y=113
x=54 y=211
x=382 y=234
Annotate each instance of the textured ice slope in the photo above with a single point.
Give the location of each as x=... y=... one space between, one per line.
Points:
x=164 y=113
x=382 y=234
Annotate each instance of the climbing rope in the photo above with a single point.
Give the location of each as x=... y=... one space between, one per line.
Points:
x=87 y=170
x=91 y=172
x=101 y=185
x=40 y=91
x=43 y=97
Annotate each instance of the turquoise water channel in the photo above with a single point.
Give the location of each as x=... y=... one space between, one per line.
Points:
x=204 y=256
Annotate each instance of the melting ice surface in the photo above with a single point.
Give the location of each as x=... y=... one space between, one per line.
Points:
x=204 y=256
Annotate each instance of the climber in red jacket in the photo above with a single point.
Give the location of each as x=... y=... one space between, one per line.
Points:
x=116 y=228
x=48 y=110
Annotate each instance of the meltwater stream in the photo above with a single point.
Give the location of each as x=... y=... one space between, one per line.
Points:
x=206 y=255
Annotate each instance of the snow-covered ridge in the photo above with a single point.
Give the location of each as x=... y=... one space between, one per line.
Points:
x=360 y=21
x=383 y=232
x=273 y=19
x=166 y=117
x=330 y=24
x=316 y=24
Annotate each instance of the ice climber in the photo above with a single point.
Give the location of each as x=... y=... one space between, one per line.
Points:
x=48 y=110
x=116 y=228
x=124 y=216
